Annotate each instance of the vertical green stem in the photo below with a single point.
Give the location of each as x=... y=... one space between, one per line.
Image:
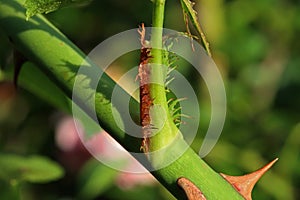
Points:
x=160 y=115
x=210 y=183
x=156 y=42
x=158 y=21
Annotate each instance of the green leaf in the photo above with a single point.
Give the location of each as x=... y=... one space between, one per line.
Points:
x=94 y=179
x=45 y=6
x=188 y=11
x=34 y=169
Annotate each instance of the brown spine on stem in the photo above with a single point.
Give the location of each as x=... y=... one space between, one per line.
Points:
x=145 y=99
x=190 y=189
x=245 y=184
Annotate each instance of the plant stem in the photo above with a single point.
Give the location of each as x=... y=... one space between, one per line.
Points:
x=60 y=59
x=157 y=87
x=156 y=76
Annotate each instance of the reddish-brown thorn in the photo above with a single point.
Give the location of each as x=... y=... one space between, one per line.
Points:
x=244 y=184
x=191 y=191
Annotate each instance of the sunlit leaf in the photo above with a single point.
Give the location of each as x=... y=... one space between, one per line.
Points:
x=45 y=6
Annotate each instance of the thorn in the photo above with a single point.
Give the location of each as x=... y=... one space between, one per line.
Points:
x=244 y=184
x=191 y=191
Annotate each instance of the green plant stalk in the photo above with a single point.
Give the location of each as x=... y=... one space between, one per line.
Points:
x=169 y=130
x=59 y=60
x=170 y=135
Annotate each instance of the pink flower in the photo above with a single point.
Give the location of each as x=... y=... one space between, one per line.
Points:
x=72 y=153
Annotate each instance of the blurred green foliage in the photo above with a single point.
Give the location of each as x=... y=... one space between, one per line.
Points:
x=255 y=45
x=34 y=169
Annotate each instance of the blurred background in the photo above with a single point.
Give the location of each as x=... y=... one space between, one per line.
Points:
x=255 y=45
